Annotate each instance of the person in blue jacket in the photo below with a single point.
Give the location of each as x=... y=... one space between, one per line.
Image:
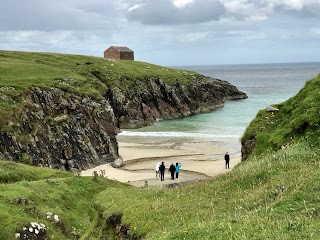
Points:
x=178 y=166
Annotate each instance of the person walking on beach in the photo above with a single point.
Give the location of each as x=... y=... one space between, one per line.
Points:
x=178 y=166
x=227 y=158
x=162 y=168
x=172 y=170
x=157 y=170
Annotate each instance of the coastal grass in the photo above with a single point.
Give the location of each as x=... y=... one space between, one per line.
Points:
x=83 y=76
x=78 y=74
x=11 y=172
x=273 y=196
x=298 y=116
x=45 y=190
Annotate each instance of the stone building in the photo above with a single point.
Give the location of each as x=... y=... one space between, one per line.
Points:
x=121 y=53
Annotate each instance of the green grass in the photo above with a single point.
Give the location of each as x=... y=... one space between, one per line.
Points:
x=296 y=117
x=77 y=73
x=275 y=194
x=11 y=172
x=70 y=197
x=84 y=76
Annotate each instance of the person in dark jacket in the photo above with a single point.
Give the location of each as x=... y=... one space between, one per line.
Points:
x=172 y=170
x=227 y=158
x=162 y=168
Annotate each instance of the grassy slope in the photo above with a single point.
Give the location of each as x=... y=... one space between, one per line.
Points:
x=275 y=194
x=46 y=190
x=81 y=75
x=297 y=116
x=24 y=69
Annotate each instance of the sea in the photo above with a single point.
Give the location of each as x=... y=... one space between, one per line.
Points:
x=265 y=84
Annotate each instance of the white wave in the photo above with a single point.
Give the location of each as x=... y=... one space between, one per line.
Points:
x=176 y=134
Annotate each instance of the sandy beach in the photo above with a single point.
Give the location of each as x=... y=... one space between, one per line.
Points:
x=200 y=159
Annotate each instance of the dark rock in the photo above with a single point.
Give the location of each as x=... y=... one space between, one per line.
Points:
x=63 y=132
x=247 y=147
x=158 y=100
x=59 y=130
x=122 y=231
x=22 y=201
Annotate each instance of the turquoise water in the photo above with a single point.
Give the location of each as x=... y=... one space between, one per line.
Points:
x=264 y=84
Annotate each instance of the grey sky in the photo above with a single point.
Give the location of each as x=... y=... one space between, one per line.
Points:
x=167 y=32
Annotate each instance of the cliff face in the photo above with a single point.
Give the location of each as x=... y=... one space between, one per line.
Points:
x=64 y=131
x=61 y=131
x=157 y=100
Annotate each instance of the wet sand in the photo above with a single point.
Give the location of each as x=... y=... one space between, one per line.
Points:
x=200 y=159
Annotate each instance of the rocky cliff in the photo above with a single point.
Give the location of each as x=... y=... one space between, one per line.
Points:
x=64 y=131
x=64 y=111
x=60 y=130
x=155 y=99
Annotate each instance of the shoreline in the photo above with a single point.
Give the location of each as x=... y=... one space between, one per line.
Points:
x=201 y=158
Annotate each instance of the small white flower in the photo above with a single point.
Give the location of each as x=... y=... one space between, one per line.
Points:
x=56 y=218
x=17 y=235
x=36 y=231
x=34 y=224
x=30 y=229
x=42 y=226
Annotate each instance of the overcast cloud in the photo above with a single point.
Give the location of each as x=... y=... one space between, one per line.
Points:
x=167 y=32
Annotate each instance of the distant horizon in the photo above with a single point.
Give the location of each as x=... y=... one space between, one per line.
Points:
x=230 y=64
x=174 y=65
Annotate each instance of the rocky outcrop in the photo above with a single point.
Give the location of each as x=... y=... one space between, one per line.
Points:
x=64 y=131
x=156 y=99
x=247 y=147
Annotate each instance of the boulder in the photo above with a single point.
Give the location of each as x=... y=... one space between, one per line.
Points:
x=271 y=109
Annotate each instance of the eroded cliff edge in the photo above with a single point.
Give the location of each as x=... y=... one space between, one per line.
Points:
x=65 y=131
x=64 y=111
x=154 y=99
x=60 y=130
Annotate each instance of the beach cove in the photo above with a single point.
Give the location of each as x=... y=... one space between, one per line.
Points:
x=201 y=158
x=199 y=142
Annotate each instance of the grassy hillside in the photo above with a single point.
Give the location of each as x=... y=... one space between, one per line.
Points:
x=45 y=190
x=84 y=76
x=275 y=194
x=77 y=73
x=297 y=117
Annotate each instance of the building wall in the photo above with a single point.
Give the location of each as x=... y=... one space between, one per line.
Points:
x=127 y=56
x=111 y=53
